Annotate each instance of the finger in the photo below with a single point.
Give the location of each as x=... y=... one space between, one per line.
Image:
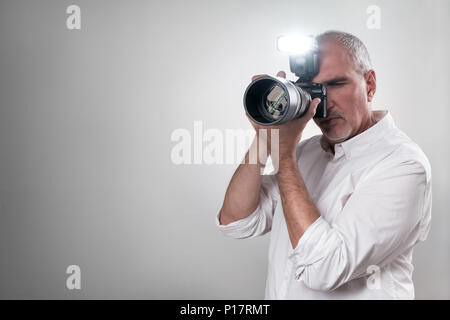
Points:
x=258 y=76
x=281 y=74
x=253 y=123
x=313 y=107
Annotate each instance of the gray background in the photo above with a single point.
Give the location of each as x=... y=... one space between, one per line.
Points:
x=86 y=116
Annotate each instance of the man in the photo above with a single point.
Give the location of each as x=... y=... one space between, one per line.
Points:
x=345 y=208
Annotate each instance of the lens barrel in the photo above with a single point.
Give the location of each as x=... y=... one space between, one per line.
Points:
x=274 y=100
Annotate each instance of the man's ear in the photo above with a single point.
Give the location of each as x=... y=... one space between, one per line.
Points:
x=371 y=84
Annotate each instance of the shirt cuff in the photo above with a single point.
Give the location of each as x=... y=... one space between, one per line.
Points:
x=239 y=229
x=308 y=250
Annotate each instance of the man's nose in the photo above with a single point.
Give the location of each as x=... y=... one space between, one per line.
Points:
x=331 y=101
x=330 y=104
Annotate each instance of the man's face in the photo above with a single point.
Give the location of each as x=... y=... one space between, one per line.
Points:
x=348 y=102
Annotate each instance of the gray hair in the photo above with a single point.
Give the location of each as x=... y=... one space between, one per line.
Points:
x=355 y=47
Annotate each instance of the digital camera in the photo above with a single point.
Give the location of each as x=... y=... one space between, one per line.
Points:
x=274 y=100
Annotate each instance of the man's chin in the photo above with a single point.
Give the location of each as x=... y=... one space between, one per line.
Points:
x=334 y=138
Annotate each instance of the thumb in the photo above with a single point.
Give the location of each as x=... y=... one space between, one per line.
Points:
x=281 y=74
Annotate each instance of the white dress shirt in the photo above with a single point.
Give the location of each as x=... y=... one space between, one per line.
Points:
x=374 y=198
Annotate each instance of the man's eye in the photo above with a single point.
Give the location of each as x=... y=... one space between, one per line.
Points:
x=335 y=84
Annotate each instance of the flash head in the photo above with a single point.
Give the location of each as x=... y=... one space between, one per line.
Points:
x=296 y=44
x=303 y=55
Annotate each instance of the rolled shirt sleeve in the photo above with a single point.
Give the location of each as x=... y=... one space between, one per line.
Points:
x=386 y=215
x=259 y=221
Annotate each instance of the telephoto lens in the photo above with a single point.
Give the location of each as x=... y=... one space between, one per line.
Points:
x=274 y=100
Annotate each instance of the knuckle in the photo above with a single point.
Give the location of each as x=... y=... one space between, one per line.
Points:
x=258 y=76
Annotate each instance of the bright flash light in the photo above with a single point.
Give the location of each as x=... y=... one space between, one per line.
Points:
x=295 y=44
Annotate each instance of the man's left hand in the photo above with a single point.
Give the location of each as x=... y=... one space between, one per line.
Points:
x=290 y=132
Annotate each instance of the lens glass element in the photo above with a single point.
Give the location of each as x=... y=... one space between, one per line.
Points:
x=275 y=102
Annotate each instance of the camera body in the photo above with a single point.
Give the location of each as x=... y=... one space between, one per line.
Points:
x=316 y=90
x=306 y=67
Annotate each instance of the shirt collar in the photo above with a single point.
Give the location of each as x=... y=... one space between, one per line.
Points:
x=362 y=141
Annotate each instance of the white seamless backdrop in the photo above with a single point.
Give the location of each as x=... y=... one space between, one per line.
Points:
x=86 y=116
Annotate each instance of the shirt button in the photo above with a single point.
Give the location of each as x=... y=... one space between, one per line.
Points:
x=338 y=151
